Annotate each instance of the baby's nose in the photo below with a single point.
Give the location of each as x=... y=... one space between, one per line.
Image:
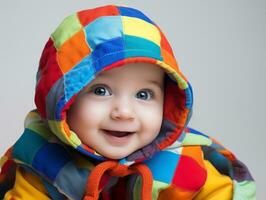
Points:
x=123 y=111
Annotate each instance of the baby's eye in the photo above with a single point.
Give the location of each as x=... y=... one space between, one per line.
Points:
x=101 y=91
x=145 y=94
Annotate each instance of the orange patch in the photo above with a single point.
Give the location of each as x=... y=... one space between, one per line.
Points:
x=176 y=193
x=164 y=43
x=72 y=51
x=195 y=152
x=169 y=59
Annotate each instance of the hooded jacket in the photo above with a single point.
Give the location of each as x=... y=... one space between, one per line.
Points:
x=49 y=161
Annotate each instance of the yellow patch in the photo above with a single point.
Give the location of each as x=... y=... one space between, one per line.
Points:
x=138 y=27
x=68 y=27
x=57 y=128
x=74 y=139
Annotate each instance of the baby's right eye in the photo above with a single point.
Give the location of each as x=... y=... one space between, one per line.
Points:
x=101 y=91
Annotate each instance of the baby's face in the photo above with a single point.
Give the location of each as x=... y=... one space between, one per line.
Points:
x=121 y=110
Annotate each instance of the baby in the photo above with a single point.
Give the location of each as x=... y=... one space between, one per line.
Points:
x=121 y=110
x=112 y=120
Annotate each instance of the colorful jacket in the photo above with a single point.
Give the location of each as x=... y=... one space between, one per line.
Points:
x=49 y=161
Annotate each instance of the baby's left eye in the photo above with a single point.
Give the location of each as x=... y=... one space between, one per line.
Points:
x=101 y=91
x=145 y=94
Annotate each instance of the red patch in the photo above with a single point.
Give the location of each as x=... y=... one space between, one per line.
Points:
x=49 y=72
x=87 y=16
x=189 y=174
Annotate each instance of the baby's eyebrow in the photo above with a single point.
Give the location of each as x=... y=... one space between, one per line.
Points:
x=156 y=83
x=102 y=75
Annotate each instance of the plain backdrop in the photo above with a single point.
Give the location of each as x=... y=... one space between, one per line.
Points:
x=220 y=46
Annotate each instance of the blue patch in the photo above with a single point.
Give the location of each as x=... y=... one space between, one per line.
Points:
x=163 y=166
x=103 y=29
x=72 y=180
x=27 y=146
x=53 y=192
x=59 y=107
x=219 y=161
x=107 y=53
x=217 y=146
x=50 y=159
x=140 y=47
x=78 y=77
x=131 y=12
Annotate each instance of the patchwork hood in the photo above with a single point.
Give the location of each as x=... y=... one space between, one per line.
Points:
x=93 y=40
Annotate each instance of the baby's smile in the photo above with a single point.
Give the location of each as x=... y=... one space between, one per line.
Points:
x=118 y=137
x=118 y=133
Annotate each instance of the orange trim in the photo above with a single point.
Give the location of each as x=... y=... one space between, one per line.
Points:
x=66 y=128
x=115 y=169
x=87 y=148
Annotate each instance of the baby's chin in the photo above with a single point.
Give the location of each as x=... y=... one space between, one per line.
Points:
x=115 y=154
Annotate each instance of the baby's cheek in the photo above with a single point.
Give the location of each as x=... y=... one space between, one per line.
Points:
x=93 y=115
x=154 y=118
x=152 y=127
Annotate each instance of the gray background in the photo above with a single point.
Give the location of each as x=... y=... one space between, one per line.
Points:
x=220 y=47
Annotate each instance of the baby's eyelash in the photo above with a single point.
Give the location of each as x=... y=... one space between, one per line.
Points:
x=93 y=87
x=149 y=90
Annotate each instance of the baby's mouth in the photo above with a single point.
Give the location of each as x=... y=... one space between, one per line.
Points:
x=117 y=133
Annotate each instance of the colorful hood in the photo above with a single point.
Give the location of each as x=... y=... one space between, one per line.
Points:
x=98 y=39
